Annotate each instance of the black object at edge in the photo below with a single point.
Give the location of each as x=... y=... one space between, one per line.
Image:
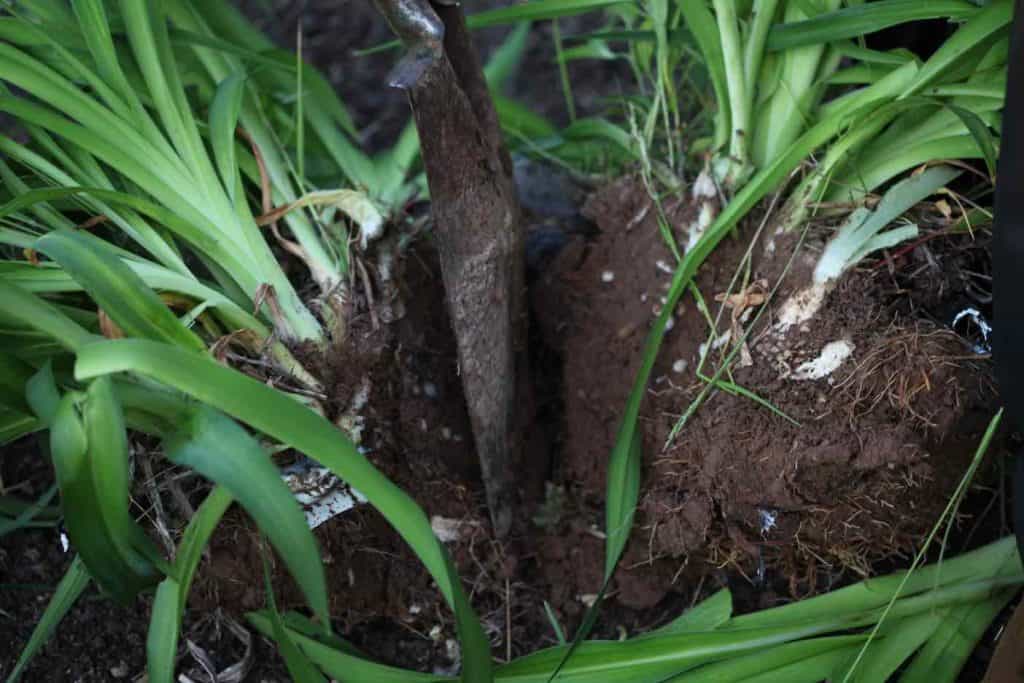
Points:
x=1008 y=258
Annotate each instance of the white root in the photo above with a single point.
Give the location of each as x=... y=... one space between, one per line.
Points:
x=831 y=358
x=705 y=194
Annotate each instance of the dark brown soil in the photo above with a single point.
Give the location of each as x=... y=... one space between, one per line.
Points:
x=880 y=446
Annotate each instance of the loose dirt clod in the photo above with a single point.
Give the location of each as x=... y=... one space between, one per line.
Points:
x=871 y=426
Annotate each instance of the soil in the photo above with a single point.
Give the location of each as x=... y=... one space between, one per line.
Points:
x=882 y=442
x=861 y=480
x=879 y=448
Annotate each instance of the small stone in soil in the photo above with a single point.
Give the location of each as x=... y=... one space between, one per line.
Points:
x=607 y=276
x=679 y=367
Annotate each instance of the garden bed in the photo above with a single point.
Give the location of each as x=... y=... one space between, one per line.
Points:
x=740 y=497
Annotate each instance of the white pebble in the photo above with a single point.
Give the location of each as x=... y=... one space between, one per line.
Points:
x=679 y=367
x=607 y=276
x=430 y=389
x=663 y=267
x=669 y=324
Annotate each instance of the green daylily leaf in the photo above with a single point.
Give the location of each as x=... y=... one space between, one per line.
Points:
x=707 y=615
x=220 y=450
x=224 y=112
x=863 y=18
x=299 y=666
x=120 y=575
x=116 y=288
x=291 y=423
x=169 y=603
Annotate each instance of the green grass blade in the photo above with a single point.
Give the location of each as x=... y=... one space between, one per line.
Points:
x=944 y=655
x=15 y=424
x=979 y=28
x=14 y=374
x=620 y=506
x=868 y=177
x=169 y=603
x=991 y=560
x=30 y=515
x=862 y=19
x=708 y=615
x=95 y=29
x=204 y=241
x=120 y=574
x=537 y=10
x=763 y=16
x=116 y=288
x=887 y=652
x=146 y=28
x=343 y=666
x=37 y=314
x=814 y=669
x=981 y=134
x=702 y=25
x=197 y=535
x=299 y=667
x=51 y=87
x=162 y=636
x=40 y=509
x=770 y=661
x=132 y=224
x=285 y=420
x=74 y=583
x=223 y=452
x=623 y=490
x=523 y=122
x=505 y=61
x=601 y=130
x=43 y=395
x=555 y=625
x=791 y=107
x=224 y=112
x=107 y=437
